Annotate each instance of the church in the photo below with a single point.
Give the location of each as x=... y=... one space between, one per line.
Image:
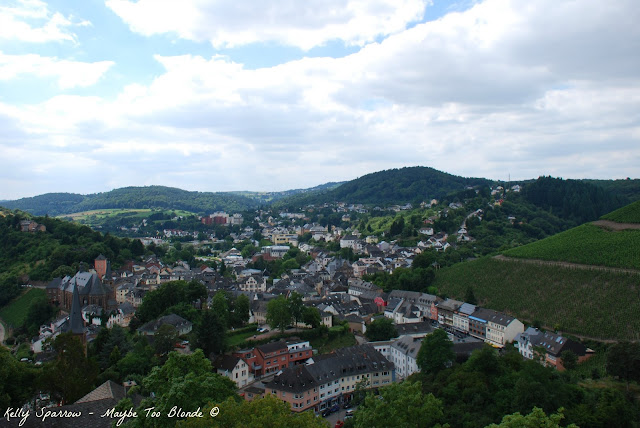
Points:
x=91 y=289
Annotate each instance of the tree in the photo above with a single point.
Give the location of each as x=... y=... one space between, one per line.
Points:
x=436 y=352
x=623 y=361
x=311 y=316
x=17 y=380
x=569 y=359
x=536 y=419
x=402 y=405
x=220 y=305
x=279 y=313
x=470 y=296
x=117 y=338
x=296 y=307
x=165 y=339
x=39 y=312
x=267 y=412
x=381 y=329
x=241 y=308
x=210 y=334
x=184 y=381
x=71 y=376
x=139 y=360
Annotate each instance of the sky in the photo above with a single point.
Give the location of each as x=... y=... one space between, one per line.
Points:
x=283 y=94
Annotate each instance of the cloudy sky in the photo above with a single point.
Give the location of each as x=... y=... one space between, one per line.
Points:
x=278 y=94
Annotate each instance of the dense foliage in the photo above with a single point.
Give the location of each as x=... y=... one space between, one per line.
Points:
x=586 y=244
x=400 y=405
x=41 y=256
x=133 y=197
x=629 y=188
x=626 y=214
x=488 y=386
x=381 y=329
x=172 y=297
x=185 y=381
x=267 y=412
x=572 y=199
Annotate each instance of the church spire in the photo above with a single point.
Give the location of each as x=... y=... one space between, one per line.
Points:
x=75 y=317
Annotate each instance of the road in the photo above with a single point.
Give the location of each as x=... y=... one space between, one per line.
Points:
x=566 y=264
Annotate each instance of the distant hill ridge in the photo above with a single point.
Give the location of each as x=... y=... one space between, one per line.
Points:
x=582 y=200
x=393 y=186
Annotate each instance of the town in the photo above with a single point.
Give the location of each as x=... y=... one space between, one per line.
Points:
x=331 y=293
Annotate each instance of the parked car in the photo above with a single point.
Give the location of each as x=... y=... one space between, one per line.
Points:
x=335 y=408
x=326 y=412
x=346 y=405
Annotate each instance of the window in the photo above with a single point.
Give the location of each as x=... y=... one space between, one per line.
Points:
x=284 y=394
x=236 y=375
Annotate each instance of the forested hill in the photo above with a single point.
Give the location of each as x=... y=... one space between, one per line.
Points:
x=133 y=197
x=575 y=200
x=393 y=186
x=56 y=252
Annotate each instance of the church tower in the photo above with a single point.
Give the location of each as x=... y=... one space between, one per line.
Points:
x=76 y=323
x=102 y=266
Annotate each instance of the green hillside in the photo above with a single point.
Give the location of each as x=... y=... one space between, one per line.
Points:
x=586 y=244
x=575 y=200
x=394 y=186
x=627 y=214
x=593 y=303
x=42 y=256
x=134 y=198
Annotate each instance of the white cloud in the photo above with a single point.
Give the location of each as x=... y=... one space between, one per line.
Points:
x=303 y=24
x=69 y=74
x=504 y=87
x=31 y=21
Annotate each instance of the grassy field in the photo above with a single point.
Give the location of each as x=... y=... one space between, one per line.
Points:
x=237 y=339
x=101 y=214
x=628 y=214
x=597 y=304
x=15 y=312
x=586 y=244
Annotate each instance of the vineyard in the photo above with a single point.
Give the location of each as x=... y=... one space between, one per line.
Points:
x=586 y=244
x=596 y=304
x=628 y=214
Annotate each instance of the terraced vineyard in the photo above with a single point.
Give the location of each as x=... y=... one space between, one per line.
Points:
x=597 y=304
x=628 y=214
x=586 y=244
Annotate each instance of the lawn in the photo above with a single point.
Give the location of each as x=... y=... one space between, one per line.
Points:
x=324 y=345
x=15 y=312
x=237 y=339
